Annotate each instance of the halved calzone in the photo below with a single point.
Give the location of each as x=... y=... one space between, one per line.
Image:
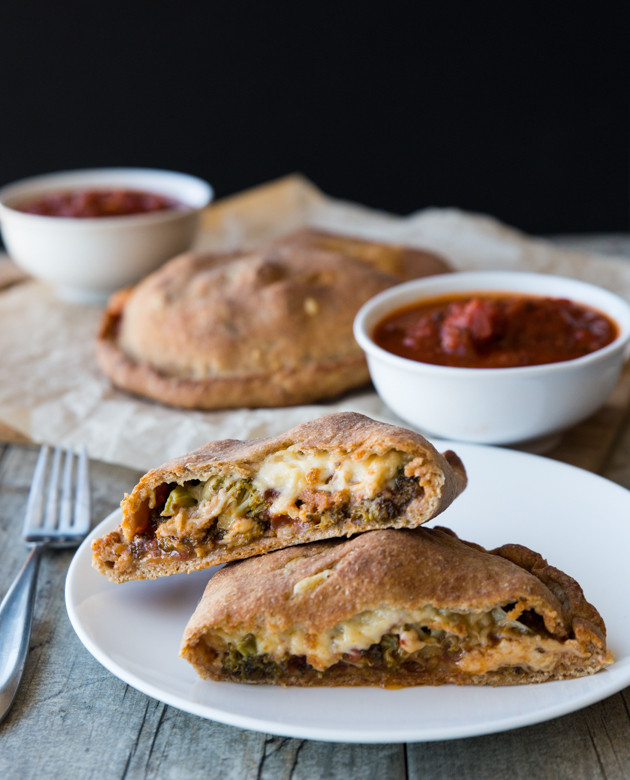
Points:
x=395 y=608
x=334 y=476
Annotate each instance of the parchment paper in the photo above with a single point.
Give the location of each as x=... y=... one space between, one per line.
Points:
x=51 y=389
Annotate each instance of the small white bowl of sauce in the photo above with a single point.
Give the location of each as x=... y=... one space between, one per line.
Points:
x=89 y=233
x=494 y=357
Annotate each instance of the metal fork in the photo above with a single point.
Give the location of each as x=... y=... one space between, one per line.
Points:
x=57 y=515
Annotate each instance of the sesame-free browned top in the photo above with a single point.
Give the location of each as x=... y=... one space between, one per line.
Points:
x=404 y=262
x=401 y=568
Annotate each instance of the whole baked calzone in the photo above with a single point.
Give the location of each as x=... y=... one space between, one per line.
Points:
x=337 y=475
x=395 y=608
x=266 y=328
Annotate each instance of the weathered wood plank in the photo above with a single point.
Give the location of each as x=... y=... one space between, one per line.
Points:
x=290 y=759
x=589 y=445
x=587 y=745
x=617 y=464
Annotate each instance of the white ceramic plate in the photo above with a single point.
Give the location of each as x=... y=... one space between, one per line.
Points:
x=578 y=521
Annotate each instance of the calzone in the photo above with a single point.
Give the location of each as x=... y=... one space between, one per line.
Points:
x=337 y=475
x=270 y=327
x=395 y=608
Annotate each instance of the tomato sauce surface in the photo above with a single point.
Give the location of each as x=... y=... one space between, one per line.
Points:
x=90 y=203
x=487 y=330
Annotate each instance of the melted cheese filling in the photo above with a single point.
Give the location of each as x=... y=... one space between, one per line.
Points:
x=362 y=631
x=512 y=644
x=287 y=473
x=290 y=472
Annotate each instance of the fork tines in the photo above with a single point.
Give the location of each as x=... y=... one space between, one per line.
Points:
x=58 y=508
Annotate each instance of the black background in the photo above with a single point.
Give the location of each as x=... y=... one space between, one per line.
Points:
x=521 y=111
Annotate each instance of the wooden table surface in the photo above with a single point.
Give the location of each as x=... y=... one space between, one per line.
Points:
x=72 y=718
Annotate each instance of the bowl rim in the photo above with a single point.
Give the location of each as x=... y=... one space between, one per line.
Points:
x=100 y=177
x=387 y=301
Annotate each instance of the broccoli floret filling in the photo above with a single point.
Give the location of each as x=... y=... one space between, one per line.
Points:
x=242 y=500
x=241 y=660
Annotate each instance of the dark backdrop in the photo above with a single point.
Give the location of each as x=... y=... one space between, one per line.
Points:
x=517 y=110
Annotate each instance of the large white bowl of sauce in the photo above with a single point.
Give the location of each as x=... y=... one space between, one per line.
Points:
x=91 y=232
x=497 y=379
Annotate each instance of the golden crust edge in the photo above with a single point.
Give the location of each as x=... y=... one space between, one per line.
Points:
x=103 y=550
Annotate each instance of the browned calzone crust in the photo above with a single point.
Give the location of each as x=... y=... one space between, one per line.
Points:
x=395 y=608
x=334 y=476
x=266 y=328
x=402 y=261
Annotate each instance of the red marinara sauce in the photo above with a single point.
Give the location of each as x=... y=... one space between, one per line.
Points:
x=494 y=330
x=90 y=203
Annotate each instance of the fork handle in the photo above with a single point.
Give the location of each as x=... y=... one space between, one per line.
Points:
x=16 y=618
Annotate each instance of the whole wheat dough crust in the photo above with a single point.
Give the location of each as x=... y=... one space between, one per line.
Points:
x=401 y=569
x=402 y=261
x=266 y=328
x=346 y=439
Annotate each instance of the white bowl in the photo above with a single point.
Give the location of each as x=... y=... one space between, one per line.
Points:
x=87 y=259
x=494 y=405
